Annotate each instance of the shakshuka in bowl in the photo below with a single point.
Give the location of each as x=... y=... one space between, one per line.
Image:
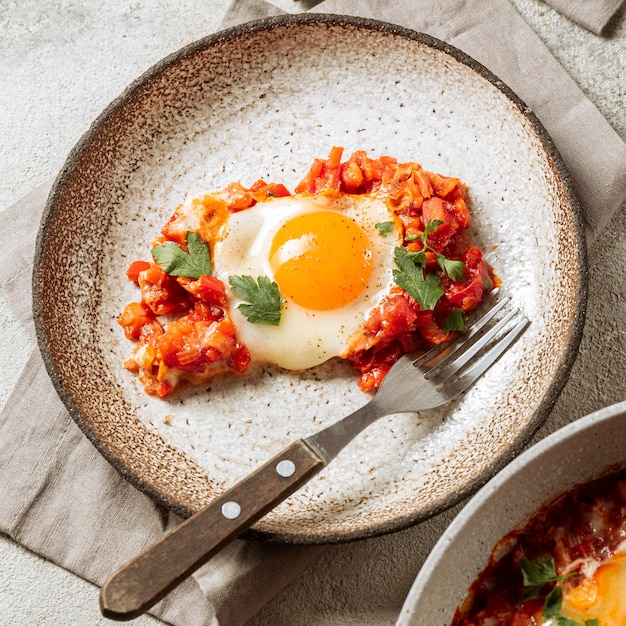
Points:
x=543 y=542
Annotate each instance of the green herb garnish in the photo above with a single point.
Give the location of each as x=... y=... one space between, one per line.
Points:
x=537 y=574
x=425 y=289
x=263 y=296
x=384 y=228
x=454 y=269
x=177 y=262
x=454 y=323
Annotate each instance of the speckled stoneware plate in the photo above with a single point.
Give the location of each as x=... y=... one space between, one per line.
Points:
x=575 y=454
x=262 y=101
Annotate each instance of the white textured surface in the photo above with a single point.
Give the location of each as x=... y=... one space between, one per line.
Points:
x=60 y=64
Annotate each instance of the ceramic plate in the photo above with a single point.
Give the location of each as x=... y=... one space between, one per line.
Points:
x=262 y=101
x=575 y=454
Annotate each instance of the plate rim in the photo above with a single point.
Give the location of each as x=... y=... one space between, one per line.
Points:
x=367 y=24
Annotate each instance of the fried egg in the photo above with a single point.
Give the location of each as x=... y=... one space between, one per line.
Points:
x=330 y=262
x=601 y=595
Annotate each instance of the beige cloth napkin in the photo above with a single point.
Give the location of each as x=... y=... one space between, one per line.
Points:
x=62 y=500
x=594 y=15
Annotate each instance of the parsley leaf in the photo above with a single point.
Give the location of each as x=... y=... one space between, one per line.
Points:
x=425 y=289
x=419 y=257
x=535 y=575
x=431 y=227
x=552 y=603
x=264 y=298
x=454 y=322
x=384 y=228
x=454 y=269
x=176 y=262
x=538 y=573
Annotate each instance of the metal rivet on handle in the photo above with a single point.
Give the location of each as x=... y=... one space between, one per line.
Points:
x=286 y=468
x=231 y=510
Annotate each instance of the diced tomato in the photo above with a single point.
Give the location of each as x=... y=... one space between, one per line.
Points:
x=433 y=334
x=178 y=346
x=260 y=184
x=205 y=312
x=374 y=365
x=458 y=209
x=135 y=268
x=443 y=185
x=396 y=315
x=435 y=209
x=522 y=619
x=176 y=228
x=239 y=358
x=226 y=327
x=407 y=187
x=262 y=191
x=192 y=345
x=204 y=215
x=392 y=329
x=162 y=389
x=209 y=289
x=134 y=318
x=212 y=291
x=479 y=280
x=308 y=183
x=361 y=174
x=238 y=197
x=351 y=177
x=324 y=176
x=161 y=292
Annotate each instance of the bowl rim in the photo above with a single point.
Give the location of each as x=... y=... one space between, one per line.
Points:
x=366 y=24
x=525 y=459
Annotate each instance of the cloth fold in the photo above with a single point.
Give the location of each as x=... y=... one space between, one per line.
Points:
x=593 y=15
x=66 y=503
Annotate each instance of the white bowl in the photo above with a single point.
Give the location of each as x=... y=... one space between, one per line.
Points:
x=575 y=454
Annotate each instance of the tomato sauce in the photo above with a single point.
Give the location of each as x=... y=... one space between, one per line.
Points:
x=201 y=341
x=580 y=531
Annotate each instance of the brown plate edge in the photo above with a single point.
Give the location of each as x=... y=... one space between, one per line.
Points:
x=557 y=164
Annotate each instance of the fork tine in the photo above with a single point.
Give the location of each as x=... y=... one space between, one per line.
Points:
x=469 y=376
x=453 y=364
x=436 y=355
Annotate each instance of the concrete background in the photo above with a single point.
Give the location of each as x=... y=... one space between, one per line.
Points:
x=61 y=63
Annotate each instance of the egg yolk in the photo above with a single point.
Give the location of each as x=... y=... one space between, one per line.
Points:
x=602 y=597
x=321 y=260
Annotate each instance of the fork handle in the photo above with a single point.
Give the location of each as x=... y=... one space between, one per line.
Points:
x=146 y=579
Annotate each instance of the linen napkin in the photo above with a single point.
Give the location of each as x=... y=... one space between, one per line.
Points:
x=594 y=15
x=63 y=501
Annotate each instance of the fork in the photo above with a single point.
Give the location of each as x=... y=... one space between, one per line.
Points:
x=417 y=381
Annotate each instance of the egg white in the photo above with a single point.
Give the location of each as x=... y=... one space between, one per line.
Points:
x=304 y=338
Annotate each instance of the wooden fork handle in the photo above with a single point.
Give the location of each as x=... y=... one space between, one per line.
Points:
x=151 y=575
